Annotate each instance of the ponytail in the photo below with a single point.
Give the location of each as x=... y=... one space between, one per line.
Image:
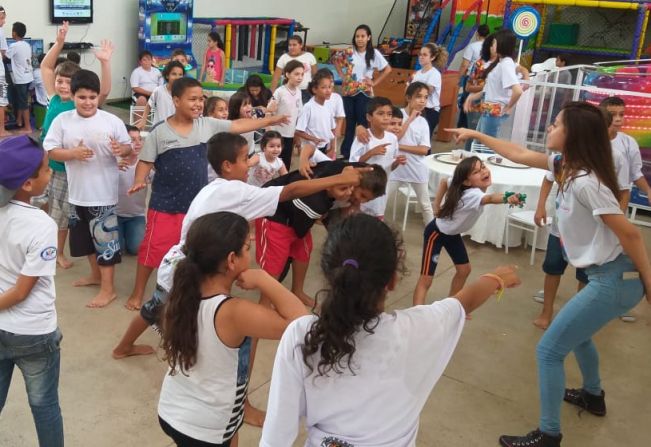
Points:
x=180 y=317
x=360 y=258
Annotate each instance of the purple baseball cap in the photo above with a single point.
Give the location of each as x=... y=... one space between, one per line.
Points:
x=20 y=157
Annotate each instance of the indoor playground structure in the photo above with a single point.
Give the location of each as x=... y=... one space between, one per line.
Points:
x=593 y=28
x=249 y=44
x=163 y=26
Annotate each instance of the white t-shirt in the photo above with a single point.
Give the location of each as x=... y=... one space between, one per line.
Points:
x=627 y=145
x=465 y=214
x=235 y=196
x=3 y=47
x=415 y=171
x=290 y=103
x=317 y=120
x=499 y=82
x=307 y=59
x=395 y=369
x=130 y=205
x=377 y=206
x=93 y=182
x=20 y=54
x=264 y=170
x=472 y=53
x=433 y=79
x=553 y=230
x=621 y=168
x=336 y=105
x=361 y=71
x=586 y=238
x=162 y=103
x=144 y=79
x=28 y=246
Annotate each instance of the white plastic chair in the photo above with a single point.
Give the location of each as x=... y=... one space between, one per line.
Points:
x=406 y=190
x=524 y=220
x=135 y=115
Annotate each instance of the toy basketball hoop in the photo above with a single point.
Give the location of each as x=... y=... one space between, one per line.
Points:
x=525 y=22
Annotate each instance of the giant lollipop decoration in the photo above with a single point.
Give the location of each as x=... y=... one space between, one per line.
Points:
x=525 y=22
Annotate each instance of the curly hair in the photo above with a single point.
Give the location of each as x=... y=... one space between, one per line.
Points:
x=360 y=258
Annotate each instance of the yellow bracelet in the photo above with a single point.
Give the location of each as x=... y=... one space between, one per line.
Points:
x=500 y=282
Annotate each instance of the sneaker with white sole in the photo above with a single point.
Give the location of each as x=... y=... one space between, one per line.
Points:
x=535 y=438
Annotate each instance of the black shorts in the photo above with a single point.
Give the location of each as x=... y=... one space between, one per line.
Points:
x=434 y=241
x=94 y=230
x=21 y=96
x=182 y=440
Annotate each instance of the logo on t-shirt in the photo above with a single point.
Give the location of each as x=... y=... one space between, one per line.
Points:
x=49 y=254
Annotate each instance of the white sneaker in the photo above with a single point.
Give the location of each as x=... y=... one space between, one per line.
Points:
x=539 y=296
x=627 y=318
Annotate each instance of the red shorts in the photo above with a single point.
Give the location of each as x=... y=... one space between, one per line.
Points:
x=275 y=243
x=162 y=232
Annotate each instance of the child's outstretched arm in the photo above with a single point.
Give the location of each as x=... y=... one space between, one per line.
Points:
x=239 y=318
x=416 y=150
x=103 y=55
x=349 y=176
x=512 y=151
x=475 y=294
x=244 y=125
x=498 y=198
x=142 y=122
x=49 y=61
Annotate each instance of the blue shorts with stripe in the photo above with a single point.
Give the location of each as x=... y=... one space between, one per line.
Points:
x=434 y=242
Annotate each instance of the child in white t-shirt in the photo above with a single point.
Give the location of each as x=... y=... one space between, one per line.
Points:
x=287 y=100
x=315 y=125
x=381 y=149
x=595 y=235
x=414 y=142
x=22 y=73
x=144 y=79
x=626 y=145
x=90 y=141
x=4 y=100
x=355 y=358
x=459 y=202
x=161 y=101
x=267 y=165
x=29 y=336
x=432 y=58
x=131 y=207
x=336 y=105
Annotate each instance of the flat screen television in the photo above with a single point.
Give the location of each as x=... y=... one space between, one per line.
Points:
x=74 y=11
x=168 y=27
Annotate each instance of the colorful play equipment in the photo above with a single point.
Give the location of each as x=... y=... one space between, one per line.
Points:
x=524 y=22
x=254 y=37
x=456 y=24
x=589 y=27
x=163 y=26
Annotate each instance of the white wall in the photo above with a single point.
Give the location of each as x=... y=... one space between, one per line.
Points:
x=332 y=21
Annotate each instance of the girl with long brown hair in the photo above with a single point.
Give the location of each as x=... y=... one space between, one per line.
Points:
x=596 y=236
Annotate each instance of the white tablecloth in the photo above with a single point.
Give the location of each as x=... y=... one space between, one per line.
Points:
x=490 y=226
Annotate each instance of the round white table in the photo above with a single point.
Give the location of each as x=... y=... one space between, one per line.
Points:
x=490 y=226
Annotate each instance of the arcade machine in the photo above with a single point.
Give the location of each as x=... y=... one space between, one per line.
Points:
x=164 y=26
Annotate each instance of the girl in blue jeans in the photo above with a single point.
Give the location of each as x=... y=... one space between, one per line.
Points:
x=595 y=235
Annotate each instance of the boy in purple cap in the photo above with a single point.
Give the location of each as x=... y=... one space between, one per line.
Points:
x=29 y=336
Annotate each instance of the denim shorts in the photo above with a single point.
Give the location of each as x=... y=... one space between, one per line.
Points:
x=555 y=262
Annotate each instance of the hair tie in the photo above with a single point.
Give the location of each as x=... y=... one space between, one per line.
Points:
x=350 y=262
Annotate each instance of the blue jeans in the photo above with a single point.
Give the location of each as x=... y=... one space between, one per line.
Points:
x=472 y=119
x=132 y=231
x=606 y=296
x=355 y=108
x=38 y=358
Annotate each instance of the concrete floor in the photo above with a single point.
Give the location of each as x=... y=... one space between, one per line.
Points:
x=489 y=388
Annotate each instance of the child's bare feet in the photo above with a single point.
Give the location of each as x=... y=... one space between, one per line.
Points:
x=64 y=262
x=87 y=281
x=133 y=303
x=306 y=299
x=132 y=350
x=542 y=322
x=5 y=133
x=102 y=299
x=252 y=415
